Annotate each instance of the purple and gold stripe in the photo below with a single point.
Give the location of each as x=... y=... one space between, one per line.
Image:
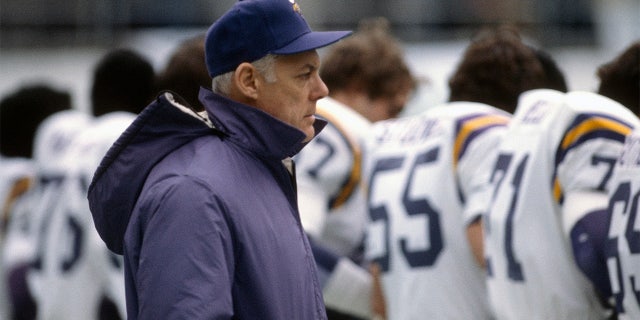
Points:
x=584 y=128
x=353 y=180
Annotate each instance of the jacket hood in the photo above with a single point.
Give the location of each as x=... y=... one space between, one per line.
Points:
x=159 y=129
x=164 y=126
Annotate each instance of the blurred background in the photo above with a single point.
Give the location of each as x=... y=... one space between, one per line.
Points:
x=58 y=42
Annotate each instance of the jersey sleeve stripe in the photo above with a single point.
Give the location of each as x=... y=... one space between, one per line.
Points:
x=584 y=128
x=471 y=127
x=353 y=180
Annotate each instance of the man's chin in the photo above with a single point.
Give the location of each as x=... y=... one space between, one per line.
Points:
x=307 y=138
x=310 y=132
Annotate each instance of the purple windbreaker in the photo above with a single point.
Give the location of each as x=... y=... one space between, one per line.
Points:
x=206 y=215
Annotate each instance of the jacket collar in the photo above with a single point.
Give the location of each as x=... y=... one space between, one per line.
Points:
x=253 y=128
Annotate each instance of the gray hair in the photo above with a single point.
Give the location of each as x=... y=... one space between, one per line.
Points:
x=266 y=67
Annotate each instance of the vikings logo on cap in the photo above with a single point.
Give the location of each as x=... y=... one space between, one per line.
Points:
x=296 y=7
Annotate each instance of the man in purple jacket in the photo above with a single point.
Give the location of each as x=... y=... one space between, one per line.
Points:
x=203 y=205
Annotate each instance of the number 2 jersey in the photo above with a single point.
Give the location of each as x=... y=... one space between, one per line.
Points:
x=556 y=145
x=328 y=172
x=623 y=245
x=427 y=180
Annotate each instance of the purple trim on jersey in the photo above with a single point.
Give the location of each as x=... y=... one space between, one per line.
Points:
x=601 y=131
x=601 y=127
x=351 y=182
x=493 y=121
x=461 y=196
x=496 y=120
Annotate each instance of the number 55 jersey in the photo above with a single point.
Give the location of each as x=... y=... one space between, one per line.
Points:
x=427 y=179
x=557 y=146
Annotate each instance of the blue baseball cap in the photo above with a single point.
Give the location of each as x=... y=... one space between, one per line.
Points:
x=251 y=29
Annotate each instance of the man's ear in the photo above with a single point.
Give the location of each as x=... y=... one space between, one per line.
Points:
x=245 y=79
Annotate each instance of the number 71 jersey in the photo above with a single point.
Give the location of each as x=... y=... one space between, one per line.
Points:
x=556 y=144
x=427 y=179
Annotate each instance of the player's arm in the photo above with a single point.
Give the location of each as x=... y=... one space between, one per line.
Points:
x=474 y=171
x=586 y=224
x=475 y=237
x=346 y=286
x=378 y=302
x=312 y=204
x=585 y=164
x=324 y=176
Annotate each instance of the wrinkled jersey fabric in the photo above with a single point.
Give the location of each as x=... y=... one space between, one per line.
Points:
x=556 y=145
x=205 y=213
x=71 y=261
x=621 y=247
x=329 y=184
x=427 y=179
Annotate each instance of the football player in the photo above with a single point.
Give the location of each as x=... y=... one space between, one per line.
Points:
x=428 y=182
x=551 y=179
x=368 y=81
x=619 y=80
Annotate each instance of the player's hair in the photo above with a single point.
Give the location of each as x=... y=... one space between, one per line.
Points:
x=186 y=71
x=620 y=78
x=22 y=111
x=370 y=60
x=123 y=80
x=496 y=68
x=554 y=77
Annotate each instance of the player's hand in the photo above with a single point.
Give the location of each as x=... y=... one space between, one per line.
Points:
x=378 y=305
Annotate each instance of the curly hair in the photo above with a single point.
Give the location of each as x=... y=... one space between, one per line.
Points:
x=496 y=68
x=370 y=60
x=620 y=78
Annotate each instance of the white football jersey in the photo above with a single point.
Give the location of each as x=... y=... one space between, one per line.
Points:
x=328 y=172
x=427 y=179
x=75 y=271
x=556 y=144
x=623 y=245
x=51 y=142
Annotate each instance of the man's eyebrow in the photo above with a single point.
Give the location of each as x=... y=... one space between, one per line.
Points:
x=310 y=67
